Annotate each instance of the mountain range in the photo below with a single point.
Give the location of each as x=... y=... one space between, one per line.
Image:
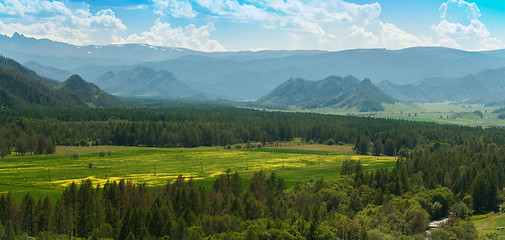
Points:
x=144 y=82
x=419 y=74
x=21 y=87
x=246 y=74
x=486 y=86
x=331 y=92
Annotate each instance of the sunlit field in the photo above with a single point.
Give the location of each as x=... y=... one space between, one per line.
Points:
x=50 y=174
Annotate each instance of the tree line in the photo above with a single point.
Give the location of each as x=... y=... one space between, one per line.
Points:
x=193 y=125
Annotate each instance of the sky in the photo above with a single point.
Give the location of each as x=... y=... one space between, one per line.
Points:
x=238 y=25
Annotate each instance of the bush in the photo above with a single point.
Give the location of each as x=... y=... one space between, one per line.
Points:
x=90 y=165
x=330 y=142
x=83 y=143
x=75 y=155
x=102 y=154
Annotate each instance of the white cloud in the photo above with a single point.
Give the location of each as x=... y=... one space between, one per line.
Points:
x=458 y=30
x=175 y=8
x=330 y=22
x=163 y=34
x=364 y=37
x=459 y=21
x=492 y=44
x=449 y=42
x=53 y=20
x=392 y=35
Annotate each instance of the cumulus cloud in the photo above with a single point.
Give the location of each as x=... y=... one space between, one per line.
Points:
x=175 y=8
x=394 y=35
x=294 y=15
x=163 y=34
x=492 y=44
x=333 y=23
x=460 y=20
x=54 y=20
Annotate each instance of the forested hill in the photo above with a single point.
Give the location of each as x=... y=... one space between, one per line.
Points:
x=21 y=87
x=11 y=64
x=89 y=92
x=333 y=92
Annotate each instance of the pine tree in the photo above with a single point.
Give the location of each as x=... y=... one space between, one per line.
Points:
x=389 y=147
x=377 y=147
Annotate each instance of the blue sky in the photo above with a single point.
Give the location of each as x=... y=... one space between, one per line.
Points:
x=233 y=25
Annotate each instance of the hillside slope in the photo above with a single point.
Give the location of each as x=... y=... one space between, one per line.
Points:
x=144 y=82
x=23 y=88
x=484 y=87
x=89 y=92
x=333 y=92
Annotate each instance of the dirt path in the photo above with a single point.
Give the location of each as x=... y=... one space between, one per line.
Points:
x=486 y=224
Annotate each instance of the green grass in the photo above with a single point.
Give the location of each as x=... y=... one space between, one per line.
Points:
x=443 y=113
x=488 y=223
x=49 y=174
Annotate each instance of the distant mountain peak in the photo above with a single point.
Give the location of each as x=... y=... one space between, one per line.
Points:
x=89 y=92
x=142 y=81
x=17 y=35
x=333 y=92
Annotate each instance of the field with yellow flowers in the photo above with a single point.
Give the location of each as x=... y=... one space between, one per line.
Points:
x=49 y=174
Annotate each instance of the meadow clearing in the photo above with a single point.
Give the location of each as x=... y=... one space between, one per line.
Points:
x=443 y=113
x=490 y=225
x=43 y=175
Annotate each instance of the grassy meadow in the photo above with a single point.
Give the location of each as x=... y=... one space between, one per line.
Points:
x=49 y=174
x=491 y=225
x=444 y=113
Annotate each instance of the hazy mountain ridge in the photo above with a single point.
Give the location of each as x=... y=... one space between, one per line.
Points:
x=332 y=92
x=144 y=82
x=250 y=75
x=484 y=87
x=48 y=72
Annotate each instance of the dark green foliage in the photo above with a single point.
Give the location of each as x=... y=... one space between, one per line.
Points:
x=88 y=92
x=389 y=147
x=363 y=145
x=8 y=63
x=377 y=148
x=351 y=167
x=330 y=142
x=20 y=87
